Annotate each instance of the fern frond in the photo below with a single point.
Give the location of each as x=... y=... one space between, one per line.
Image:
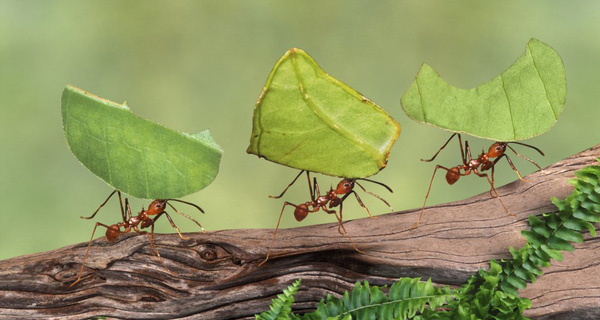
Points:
x=555 y=232
x=281 y=307
x=482 y=298
x=405 y=299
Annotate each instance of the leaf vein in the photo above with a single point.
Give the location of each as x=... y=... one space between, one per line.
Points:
x=421 y=99
x=108 y=162
x=327 y=120
x=543 y=83
x=512 y=120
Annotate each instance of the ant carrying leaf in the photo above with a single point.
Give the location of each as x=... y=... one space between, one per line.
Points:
x=142 y=220
x=484 y=162
x=326 y=202
x=307 y=119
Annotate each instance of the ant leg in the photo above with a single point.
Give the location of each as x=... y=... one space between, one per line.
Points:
x=427 y=195
x=289 y=185
x=173 y=224
x=359 y=202
x=103 y=203
x=87 y=252
x=128 y=210
x=341 y=225
x=445 y=144
x=311 y=189
x=512 y=166
x=467 y=157
x=340 y=218
x=276 y=228
x=185 y=215
x=462 y=152
x=151 y=239
x=496 y=192
x=374 y=195
x=493 y=170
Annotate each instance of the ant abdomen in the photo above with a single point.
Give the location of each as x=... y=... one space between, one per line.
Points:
x=112 y=233
x=301 y=212
x=452 y=176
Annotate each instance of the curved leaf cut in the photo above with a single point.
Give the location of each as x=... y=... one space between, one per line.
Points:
x=134 y=155
x=306 y=119
x=522 y=102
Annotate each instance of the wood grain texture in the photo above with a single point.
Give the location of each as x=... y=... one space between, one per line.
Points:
x=215 y=275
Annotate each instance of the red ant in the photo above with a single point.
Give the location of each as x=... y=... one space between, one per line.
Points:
x=320 y=202
x=482 y=163
x=131 y=222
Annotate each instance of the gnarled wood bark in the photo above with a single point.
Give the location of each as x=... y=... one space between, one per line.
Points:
x=215 y=275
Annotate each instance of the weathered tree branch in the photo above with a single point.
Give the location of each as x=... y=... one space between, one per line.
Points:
x=215 y=275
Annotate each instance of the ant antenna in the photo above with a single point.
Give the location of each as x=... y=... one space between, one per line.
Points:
x=524 y=157
x=185 y=215
x=527 y=145
x=376 y=196
x=376 y=182
x=188 y=203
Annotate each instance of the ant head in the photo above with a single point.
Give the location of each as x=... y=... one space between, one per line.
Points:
x=157 y=206
x=497 y=149
x=345 y=186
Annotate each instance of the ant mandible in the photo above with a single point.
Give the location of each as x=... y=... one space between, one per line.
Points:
x=134 y=223
x=325 y=202
x=477 y=165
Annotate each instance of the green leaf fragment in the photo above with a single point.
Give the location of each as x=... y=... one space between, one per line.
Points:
x=280 y=308
x=541 y=253
x=560 y=244
x=532 y=268
x=554 y=254
x=516 y=281
x=308 y=120
x=134 y=155
x=569 y=235
x=522 y=102
x=590 y=205
x=532 y=237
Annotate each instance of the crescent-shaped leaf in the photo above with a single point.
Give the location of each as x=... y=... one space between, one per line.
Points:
x=308 y=120
x=522 y=102
x=134 y=155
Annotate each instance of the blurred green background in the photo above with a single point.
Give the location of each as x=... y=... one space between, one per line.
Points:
x=192 y=65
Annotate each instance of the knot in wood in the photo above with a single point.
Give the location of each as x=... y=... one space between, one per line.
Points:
x=208 y=255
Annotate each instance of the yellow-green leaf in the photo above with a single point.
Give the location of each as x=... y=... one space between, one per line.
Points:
x=308 y=120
